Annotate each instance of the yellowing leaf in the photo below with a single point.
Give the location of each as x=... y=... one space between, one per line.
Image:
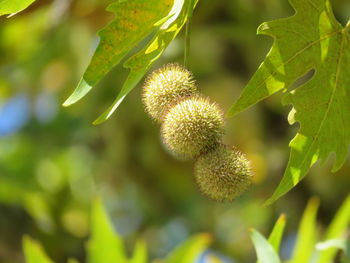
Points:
x=311 y=39
x=143 y=60
x=13 y=6
x=134 y=20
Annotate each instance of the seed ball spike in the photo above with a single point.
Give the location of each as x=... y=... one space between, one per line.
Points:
x=192 y=127
x=223 y=173
x=165 y=86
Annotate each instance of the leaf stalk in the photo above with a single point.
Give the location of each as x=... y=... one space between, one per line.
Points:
x=187 y=33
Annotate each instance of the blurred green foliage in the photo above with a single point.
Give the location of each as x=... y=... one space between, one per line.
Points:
x=53 y=162
x=107 y=246
x=306 y=249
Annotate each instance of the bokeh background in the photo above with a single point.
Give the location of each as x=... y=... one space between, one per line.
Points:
x=54 y=162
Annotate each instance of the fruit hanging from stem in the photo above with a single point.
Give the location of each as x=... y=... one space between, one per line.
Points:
x=223 y=173
x=165 y=86
x=192 y=127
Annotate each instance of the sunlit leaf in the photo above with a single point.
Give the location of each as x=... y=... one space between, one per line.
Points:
x=134 y=20
x=264 y=250
x=13 y=6
x=311 y=39
x=189 y=251
x=33 y=252
x=132 y=80
x=306 y=239
x=105 y=245
x=143 y=60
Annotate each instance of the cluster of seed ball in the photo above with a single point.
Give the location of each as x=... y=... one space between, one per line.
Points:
x=192 y=128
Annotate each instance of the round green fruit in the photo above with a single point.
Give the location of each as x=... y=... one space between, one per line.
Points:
x=165 y=86
x=192 y=127
x=223 y=173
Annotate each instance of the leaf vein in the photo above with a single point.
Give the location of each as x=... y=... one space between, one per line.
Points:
x=314 y=6
x=329 y=35
x=329 y=103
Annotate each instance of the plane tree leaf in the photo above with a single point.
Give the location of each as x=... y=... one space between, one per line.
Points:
x=143 y=60
x=311 y=39
x=134 y=20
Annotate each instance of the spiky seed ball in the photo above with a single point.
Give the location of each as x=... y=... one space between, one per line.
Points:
x=165 y=86
x=223 y=173
x=192 y=127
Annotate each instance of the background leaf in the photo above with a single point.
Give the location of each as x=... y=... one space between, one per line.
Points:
x=33 y=252
x=306 y=239
x=275 y=237
x=13 y=6
x=105 y=245
x=331 y=243
x=189 y=250
x=339 y=225
x=264 y=250
x=140 y=253
x=311 y=39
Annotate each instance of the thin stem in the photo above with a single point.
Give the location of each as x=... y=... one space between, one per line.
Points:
x=347 y=31
x=187 y=43
x=187 y=33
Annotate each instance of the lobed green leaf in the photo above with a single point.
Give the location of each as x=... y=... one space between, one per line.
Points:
x=134 y=20
x=140 y=63
x=311 y=39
